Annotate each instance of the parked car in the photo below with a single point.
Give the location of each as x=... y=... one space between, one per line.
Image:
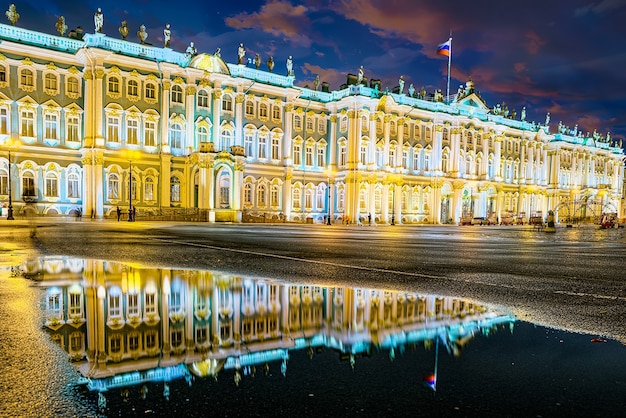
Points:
x=480 y=220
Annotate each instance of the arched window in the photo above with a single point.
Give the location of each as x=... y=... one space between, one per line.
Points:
x=203 y=99
x=176 y=136
x=177 y=94
x=27 y=80
x=150 y=91
x=249 y=108
x=227 y=103
x=114 y=85
x=4 y=182
x=148 y=189
x=73 y=186
x=113 y=186
x=28 y=184
x=202 y=134
x=133 y=89
x=247 y=194
x=261 y=196
x=226 y=137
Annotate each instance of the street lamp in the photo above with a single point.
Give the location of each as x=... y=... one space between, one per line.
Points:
x=131 y=155
x=329 y=175
x=10 y=143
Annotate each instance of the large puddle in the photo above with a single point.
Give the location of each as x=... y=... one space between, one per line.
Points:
x=201 y=343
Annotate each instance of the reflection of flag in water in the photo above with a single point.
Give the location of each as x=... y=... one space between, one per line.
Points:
x=444 y=48
x=431 y=381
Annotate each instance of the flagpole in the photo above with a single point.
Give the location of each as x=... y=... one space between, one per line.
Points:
x=449 y=64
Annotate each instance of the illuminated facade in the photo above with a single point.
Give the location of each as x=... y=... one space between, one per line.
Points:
x=229 y=142
x=114 y=319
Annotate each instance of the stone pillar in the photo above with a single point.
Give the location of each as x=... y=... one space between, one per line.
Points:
x=239 y=119
x=190 y=131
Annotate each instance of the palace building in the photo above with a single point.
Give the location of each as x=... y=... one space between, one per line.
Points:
x=93 y=123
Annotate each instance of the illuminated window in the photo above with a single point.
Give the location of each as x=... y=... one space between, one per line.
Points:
x=51 y=83
x=275 y=148
x=132 y=131
x=27 y=79
x=203 y=98
x=150 y=91
x=27 y=123
x=73 y=86
x=51 y=125
x=73 y=186
x=275 y=195
x=73 y=128
x=177 y=94
x=28 y=184
x=113 y=186
x=149 y=132
x=148 y=190
x=4 y=121
x=249 y=108
x=52 y=185
x=176 y=136
x=133 y=89
x=113 y=128
x=114 y=85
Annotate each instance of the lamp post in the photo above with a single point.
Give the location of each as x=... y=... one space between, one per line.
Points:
x=131 y=155
x=9 y=143
x=329 y=175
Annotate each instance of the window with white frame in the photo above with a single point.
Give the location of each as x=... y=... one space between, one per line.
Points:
x=320 y=198
x=28 y=184
x=73 y=186
x=113 y=186
x=51 y=125
x=247 y=194
x=275 y=195
x=202 y=134
x=363 y=153
x=148 y=189
x=416 y=159
x=308 y=199
x=275 y=148
x=132 y=305
x=132 y=131
x=343 y=123
x=248 y=144
x=149 y=133
x=405 y=159
x=343 y=155
x=261 y=196
x=321 y=155
x=133 y=188
x=176 y=135
x=72 y=128
x=175 y=189
x=297 y=154
x=227 y=103
x=151 y=339
x=262 y=150
x=203 y=99
x=177 y=94
x=75 y=306
x=27 y=122
x=113 y=128
x=150 y=302
x=297 y=198
x=227 y=136
x=309 y=154
x=310 y=121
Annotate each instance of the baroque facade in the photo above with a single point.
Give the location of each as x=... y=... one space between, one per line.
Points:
x=94 y=123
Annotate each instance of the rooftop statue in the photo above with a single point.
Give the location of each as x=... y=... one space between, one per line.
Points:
x=270 y=64
x=359 y=79
x=191 y=50
x=123 y=29
x=167 y=36
x=316 y=82
x=257 y=61
x=241 y=53
x=218 y=52
x=523 y=117
x=289 y=66
x=61 y=26
x=142 y=34
x=401 y=85
x=12 y=14
x=98 y=20
x=411 y=90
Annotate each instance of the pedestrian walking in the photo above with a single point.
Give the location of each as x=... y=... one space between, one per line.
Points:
x=119 y=213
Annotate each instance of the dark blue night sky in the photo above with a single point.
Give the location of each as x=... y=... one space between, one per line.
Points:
x=567 y=58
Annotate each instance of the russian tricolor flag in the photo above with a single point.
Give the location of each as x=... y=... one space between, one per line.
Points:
x=444 y=48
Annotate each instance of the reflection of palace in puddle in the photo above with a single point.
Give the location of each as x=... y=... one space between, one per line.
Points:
x=123 y=325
